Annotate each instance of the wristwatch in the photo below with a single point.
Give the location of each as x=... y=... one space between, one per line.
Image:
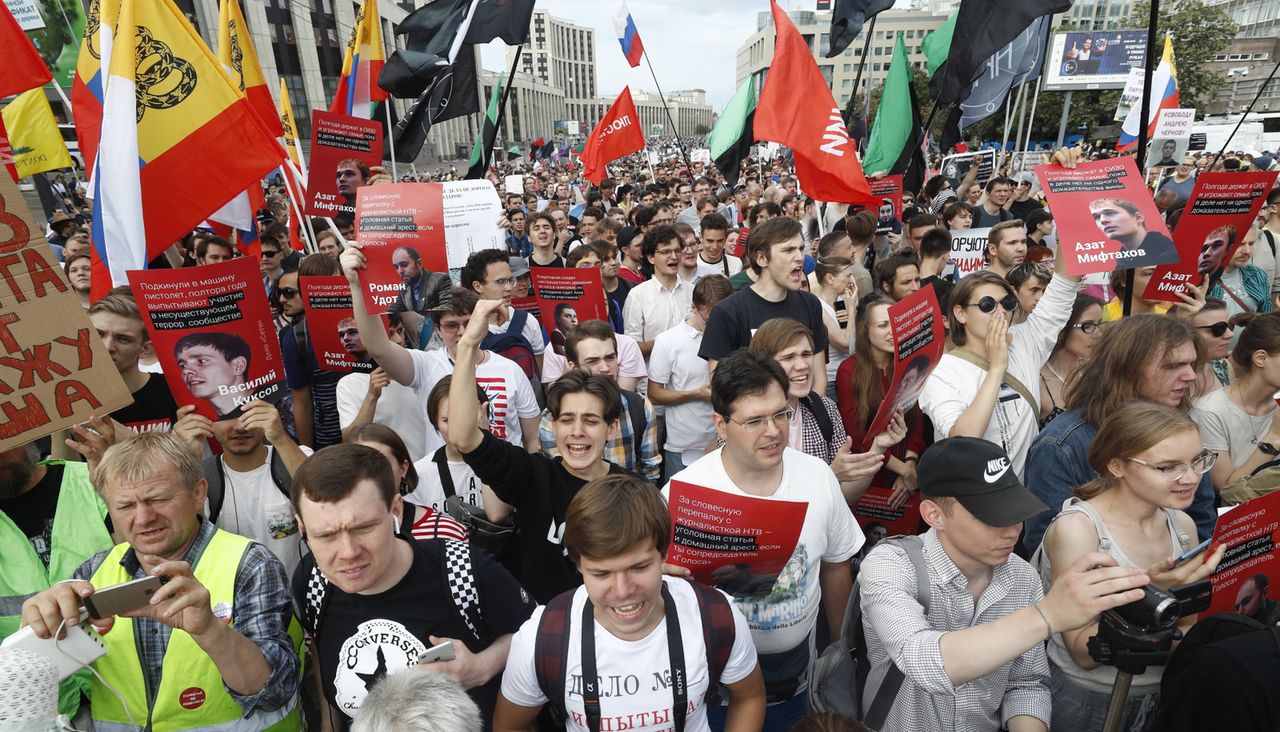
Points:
x=1268 y=449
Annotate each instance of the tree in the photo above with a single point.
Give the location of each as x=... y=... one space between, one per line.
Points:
x=1199 y=33
x=701 y=129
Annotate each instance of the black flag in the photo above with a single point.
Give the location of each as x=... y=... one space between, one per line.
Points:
x=847 y=20
x=505 y=19
x=982 y=28
x=451 y=93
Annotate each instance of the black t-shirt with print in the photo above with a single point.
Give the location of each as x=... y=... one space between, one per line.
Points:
x=153 y=408
x=734 y=320
x=32 y=512
x=363 y=638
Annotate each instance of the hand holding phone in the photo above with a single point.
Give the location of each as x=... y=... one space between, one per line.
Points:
x=119 y=599
x=441 y=652
x=1192 y=553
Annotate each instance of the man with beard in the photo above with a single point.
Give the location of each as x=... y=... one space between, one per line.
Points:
x=994 y=209
x=51 y=520
x=249 y=483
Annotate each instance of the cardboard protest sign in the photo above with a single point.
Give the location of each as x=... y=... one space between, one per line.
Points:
x=956 y=167
x=1105 y=217
x=54 y=371
x=738 y=544
x=471 y=212
x=401 y=229
x=567 y=297
x=333 y=179
x=1221 y=208
x=331 y=324
x=916 y=323
x=213 y=334
x=968 y=250
x=1249 y=531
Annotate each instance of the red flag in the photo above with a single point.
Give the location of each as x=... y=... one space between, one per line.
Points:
x=22 y=68
x=6 y=152
x=796 y=109
x=617 y=134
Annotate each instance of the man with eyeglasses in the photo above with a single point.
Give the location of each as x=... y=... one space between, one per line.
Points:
x=688 y=271
x=664 y=300
x=691 y=214
x=1152 y=357
x=750 y=413
x=488 y=274
x=269 y=263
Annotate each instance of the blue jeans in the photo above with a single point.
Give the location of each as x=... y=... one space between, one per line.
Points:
x=1078 y=708
x=778 y=717
x=673 y=462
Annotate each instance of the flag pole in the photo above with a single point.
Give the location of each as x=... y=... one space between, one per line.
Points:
x=1144 y=126
x=386 y=108
x=857 y=79
x=661 y=97
x=502 y=103
x=1035 y=99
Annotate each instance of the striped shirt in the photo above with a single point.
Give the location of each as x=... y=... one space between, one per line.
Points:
x=897 y=628
x=433 y=524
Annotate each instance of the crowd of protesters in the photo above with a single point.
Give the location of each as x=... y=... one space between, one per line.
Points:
x=1062 y=454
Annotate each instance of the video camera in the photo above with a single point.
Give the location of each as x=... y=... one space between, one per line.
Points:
x=1141 y=634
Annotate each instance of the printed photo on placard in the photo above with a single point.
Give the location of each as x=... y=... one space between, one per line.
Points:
x=402 y=231
x=343 y=149
x=1105 y=217
x=916 y=324
x=1250 y=565
x=1167 y=152
x=1218 y=214
x=212 y=331
x=567 y=297
x=956 y=167
x=331 y=324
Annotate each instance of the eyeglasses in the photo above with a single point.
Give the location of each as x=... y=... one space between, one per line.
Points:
x=1218 y=329
x=452 y=326
x=988 y=303
x=1174 y=472
x=287 y=293
x=1088 y=327
x=693 y=246
x=779 y=420
x=504 y=281
x=667 y=252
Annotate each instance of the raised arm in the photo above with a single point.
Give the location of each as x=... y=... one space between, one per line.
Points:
x=464 y=429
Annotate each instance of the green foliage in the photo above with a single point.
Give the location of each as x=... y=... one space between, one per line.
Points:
x=1199 y=33
x=701 y=129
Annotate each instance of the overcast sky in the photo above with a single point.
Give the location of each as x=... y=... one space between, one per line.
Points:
x=692 y=44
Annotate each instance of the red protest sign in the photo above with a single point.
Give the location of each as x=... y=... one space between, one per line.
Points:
x=889 y=213
x=213 y=334
x=331 y=324
x=54 y=370
x=874 y=508
x=1249 y=531
x=400 y=228
x=567 y=297
x=1105 y=217
x=1221 y=208
x=339 y=146
x=916 y=323
x=738 y=542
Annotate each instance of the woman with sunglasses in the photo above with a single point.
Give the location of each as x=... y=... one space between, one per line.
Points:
x=1240 y=422
x=1215 y=329
x=1149 y=460
x=1075 y=344
x=980 y=388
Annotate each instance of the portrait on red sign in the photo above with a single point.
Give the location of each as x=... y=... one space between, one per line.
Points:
x=400 y=228
x=917 y=326
x=343 y=150
x=567 y=297
x=331 y=324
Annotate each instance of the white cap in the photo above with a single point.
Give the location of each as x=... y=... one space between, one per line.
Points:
x=28 y=691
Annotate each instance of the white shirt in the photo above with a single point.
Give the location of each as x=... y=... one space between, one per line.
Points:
x=632 y=695
x=430 y=490
x=783 y=620
x=834 y=355
x=733 y=264
x=398 y=407
x=532 y=332
x=630 y=361
x=253 y=506
x=510 y=393
x=952 y=386
x=675 y=364
x=651 y=308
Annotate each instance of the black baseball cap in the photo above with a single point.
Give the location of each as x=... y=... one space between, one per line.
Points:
x=979 y=475
x=627 y=235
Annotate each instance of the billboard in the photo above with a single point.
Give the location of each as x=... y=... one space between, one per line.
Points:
x=1093 y=59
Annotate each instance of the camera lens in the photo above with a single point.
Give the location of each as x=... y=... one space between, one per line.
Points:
x=1157 y=609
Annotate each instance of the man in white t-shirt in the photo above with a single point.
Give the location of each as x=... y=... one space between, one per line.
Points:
x=514 y=411
x=373 y=397
x=645 y=641
x=249 y=483
x=632 y=372
x=488 y=274
x=749 y=398
x=713 y=259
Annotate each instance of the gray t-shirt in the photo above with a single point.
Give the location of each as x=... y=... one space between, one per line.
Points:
x=1225 y=427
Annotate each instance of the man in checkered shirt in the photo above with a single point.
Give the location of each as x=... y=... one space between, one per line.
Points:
x=975 y=659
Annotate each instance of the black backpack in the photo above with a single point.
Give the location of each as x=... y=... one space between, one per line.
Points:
x=215 y=476
x=819 y=409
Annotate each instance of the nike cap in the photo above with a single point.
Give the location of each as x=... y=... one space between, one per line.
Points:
x=979 y=475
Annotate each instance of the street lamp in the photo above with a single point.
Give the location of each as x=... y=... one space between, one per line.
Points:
x=1235 y=75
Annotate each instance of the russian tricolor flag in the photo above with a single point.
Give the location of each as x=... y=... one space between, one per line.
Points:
x=628 y=36
x=1164 y=95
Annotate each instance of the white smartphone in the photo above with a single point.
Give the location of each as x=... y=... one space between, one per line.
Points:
x=442 y=652
x=81 y=646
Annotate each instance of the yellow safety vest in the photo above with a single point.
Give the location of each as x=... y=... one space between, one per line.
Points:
x=79 y=532
x=191 y=694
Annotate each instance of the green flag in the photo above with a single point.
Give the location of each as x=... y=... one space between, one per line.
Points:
x=893 y=123
x=731 y=140
x=937 y=45
x=484 y=141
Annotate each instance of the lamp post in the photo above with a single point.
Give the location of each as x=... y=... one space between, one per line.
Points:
x=1235 y=75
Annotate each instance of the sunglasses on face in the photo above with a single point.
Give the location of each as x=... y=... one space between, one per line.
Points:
x=988 y=303
x=1218 y=329
x=287 y=293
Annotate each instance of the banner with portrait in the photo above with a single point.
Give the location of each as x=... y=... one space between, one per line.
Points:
x=1251 y=564
x=343 y=149
x=916 y=324
x=212 y=331
x=566 y=297
x=331 y=324
x=401 y=229
x=1220 y=210
x=1105 y=217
